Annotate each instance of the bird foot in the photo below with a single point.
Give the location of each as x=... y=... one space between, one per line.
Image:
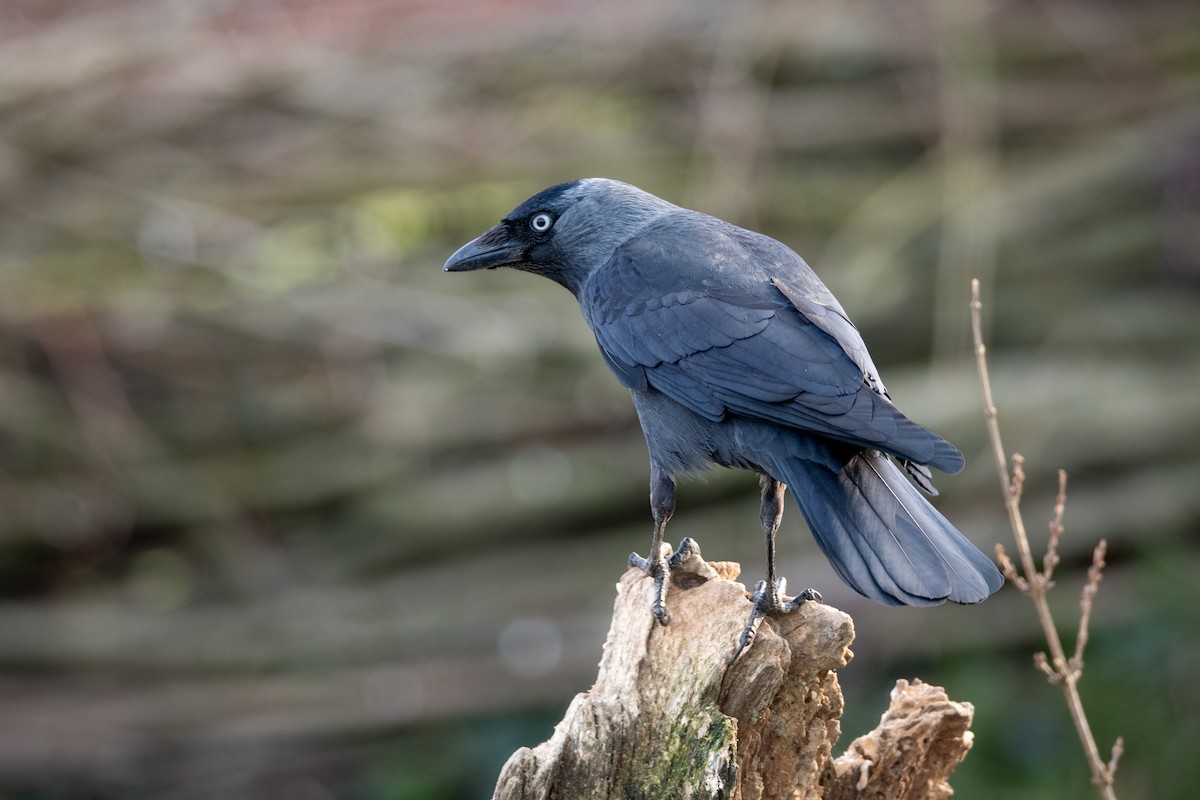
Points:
x=659 y=567
x=770 y=601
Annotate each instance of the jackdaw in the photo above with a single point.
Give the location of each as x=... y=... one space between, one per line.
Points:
x=736 y=354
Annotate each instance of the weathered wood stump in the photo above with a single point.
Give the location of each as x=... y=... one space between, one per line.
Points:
x=670 y=717
x=919 y=741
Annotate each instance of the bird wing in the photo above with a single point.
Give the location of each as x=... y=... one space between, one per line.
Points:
x=727 y=324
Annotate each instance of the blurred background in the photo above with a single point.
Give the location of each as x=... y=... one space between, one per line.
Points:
x=285 y=512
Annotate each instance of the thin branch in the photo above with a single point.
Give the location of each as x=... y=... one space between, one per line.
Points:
x=1033 y=583
x=1118 y=750
x=1009 y=569
x=1086 y=598
x=1051 y=559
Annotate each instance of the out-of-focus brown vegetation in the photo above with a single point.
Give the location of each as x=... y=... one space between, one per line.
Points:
x=284 y=511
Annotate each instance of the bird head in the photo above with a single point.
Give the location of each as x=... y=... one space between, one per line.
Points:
x=565 y=232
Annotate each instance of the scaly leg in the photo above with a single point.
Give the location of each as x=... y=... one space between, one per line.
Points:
x=662 y=506
x=769 y=597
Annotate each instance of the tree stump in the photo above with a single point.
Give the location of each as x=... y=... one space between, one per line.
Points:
x=670 y=716
x=921 y=738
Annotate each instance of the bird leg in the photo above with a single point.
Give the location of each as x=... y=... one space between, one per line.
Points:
x=770 y=595
x=658 y=566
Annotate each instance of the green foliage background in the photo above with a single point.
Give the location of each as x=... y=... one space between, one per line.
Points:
x=286 y=512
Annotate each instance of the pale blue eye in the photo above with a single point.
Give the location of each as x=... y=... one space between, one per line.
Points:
x=541 y=222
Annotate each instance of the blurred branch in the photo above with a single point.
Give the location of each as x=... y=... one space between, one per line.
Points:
x=1058 y=669
x=731 y=125
x=967 y=102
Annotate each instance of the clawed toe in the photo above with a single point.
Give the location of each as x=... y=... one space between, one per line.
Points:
x=659 y=567
x=770 y=600
x=687 y=548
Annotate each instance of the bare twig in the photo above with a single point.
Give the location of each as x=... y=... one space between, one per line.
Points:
x=1118 y=750
x=1009 y=569
x=1033 y=583
x=1050 y=560
x=1086 y=597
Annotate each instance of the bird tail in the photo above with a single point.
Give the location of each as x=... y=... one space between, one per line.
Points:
x=881 y=536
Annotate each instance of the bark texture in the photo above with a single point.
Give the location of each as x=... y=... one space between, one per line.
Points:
x=921 y=738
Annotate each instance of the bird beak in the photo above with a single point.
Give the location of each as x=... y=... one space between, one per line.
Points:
x=491 y=250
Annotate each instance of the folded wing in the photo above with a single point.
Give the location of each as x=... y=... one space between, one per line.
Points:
x=738 y=336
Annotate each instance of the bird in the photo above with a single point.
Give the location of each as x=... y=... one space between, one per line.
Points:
x=736 y=354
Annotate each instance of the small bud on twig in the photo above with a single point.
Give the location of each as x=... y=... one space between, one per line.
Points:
x=1017 y=485
x=1043 y=663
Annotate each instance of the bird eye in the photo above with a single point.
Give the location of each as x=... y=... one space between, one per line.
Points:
x=541 y=222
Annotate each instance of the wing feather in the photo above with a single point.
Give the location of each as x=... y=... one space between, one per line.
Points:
x=705 y=324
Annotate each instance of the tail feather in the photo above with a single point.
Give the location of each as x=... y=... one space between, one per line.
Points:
x=881 y=536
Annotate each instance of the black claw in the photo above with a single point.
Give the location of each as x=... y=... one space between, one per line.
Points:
x=687 y=548
x=748 y=634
